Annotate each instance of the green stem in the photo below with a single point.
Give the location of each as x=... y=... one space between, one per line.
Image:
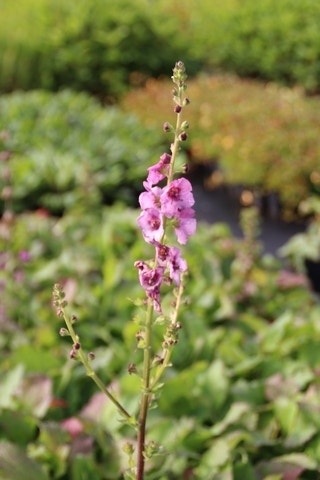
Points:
x=92 y=374
x=145 y=397
x=167 y=351
x=175 y=148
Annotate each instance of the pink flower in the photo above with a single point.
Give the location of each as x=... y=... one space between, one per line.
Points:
x=150 y=198
x=176 y=196
x=151 y=223
x=185 y=225
x=151 y=280
x=160 y=170
x=177 y=265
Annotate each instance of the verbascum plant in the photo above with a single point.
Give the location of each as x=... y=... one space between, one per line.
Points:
x=167 y=219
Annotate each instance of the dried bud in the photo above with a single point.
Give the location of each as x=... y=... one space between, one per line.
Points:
x=91 y=356
x=76 y=346
x=132 y=368
x=177 y=109
x=183 y=136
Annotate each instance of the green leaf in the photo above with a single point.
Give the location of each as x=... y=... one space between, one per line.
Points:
x=234 y=416
x=35 y=359
x=214 y=460
x=17 y=427
x=15 y=465
x=9 y=385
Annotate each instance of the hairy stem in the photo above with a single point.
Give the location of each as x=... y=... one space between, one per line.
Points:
x=166 y=355
x=145 y=397
x=91 y=373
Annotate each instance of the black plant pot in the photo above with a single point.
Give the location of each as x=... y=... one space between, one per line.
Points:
x=313 y=272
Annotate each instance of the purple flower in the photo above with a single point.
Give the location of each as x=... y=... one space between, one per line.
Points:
x=185 y=225
x=151 y=280
x=162 y=253
x=176 y=196
x=150 y=198
x=24 y=256
x=151 y=223
x=160 y=170
x=177 y=265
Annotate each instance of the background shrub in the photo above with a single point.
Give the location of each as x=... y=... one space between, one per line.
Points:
x=100 y=46
x=262 y=136
x=103 y=46
x=273 y=40
x=67 y=150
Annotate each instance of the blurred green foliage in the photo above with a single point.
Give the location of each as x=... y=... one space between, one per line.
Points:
x=104 y=46
x=241 y=397
x=100 y=47
x=66 y=150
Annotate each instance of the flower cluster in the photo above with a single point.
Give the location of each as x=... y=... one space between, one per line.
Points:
x=166 y=207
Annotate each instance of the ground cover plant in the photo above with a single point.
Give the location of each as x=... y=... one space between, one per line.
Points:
x=241 y=398
x=230 y=115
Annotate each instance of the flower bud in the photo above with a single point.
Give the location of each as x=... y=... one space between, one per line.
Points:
x=183 y=136
x=132 y=368
x=177 y=109
x=167 y=127
x=128 y=448
x=63 y=332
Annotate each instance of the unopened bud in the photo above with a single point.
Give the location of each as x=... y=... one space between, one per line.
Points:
x=183 y=136
x=128 y=448
x=132 y=368
x=167 y=127
x=63 y=332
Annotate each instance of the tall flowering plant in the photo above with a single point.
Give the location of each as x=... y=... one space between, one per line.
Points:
x=167 y=220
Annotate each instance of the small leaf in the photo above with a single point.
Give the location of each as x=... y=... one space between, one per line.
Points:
x=214 y=460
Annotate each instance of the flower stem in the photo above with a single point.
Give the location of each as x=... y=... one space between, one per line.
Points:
x=145 y=396
x=166 y=355
x=85 y=360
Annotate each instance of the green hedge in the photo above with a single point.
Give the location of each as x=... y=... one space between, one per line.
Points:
x=99 y=46
x=104 y=46
x=276 y=40
x=67 y=150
